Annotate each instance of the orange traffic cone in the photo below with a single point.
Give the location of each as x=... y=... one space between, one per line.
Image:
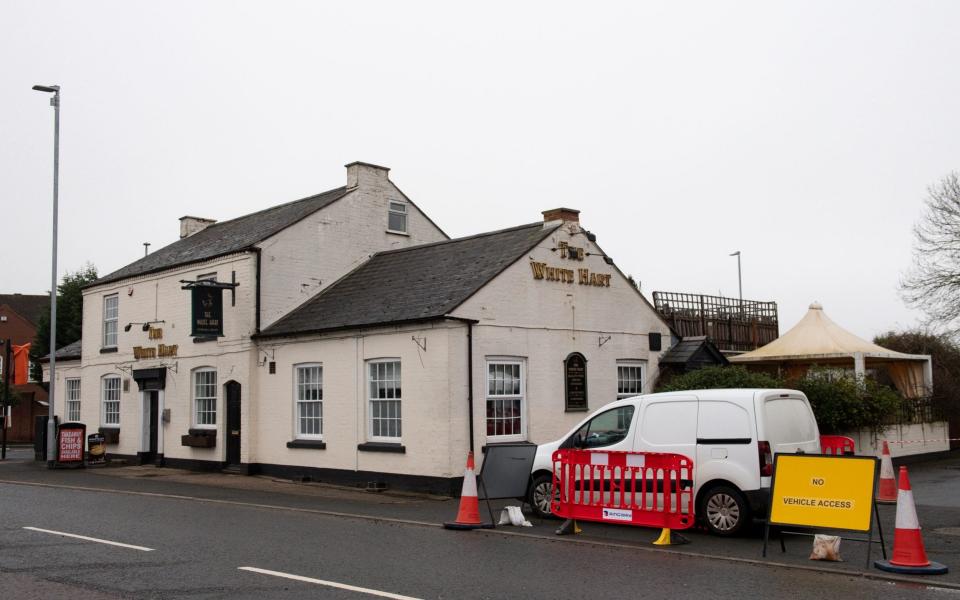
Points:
x=468 y=517
x=908 y=553
x=888 y=485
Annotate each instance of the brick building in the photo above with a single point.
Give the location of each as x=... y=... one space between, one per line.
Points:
x=19 y=314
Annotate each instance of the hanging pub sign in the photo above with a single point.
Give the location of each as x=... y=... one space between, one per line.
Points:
x=575 y=382
x=207 y=315
x=206 y=302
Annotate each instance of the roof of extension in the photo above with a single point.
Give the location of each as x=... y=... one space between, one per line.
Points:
x=412 y=284
x=28 y=306
x=685 y=349
x=68 y=352
x=226 y=237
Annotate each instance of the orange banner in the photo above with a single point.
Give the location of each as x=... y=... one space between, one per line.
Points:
x=21 y=364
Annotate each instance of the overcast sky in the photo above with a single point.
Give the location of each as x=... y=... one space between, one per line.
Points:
x=803 y=134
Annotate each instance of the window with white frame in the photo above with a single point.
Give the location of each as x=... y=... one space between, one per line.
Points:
x=397 y=217
x=205 y=398
x=111 y=306
x=73 y=399
x=308 y=381
x=630 y=377
x=110 y=399
x=384 y=399
x=505 y=399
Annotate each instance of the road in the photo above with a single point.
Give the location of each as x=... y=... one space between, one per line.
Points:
x=203 y=549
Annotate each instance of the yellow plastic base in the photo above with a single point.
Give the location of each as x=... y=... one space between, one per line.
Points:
x=664 y=539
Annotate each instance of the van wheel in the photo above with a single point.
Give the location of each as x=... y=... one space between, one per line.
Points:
x=724 y=510
x=541 y=494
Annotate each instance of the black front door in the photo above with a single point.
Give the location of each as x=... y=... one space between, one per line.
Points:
x=233 y=423
x=149 y=455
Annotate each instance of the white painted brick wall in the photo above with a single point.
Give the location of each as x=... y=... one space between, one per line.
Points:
x=426 y=403
x=303 y=259
x=159 y=296
x=544 y=321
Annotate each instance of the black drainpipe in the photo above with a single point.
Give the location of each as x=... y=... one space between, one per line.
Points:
x=470 y=378
x=470 y=323
x=257 y=300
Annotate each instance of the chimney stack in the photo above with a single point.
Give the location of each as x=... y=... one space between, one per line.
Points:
x=191 y=225
x=366 y=174
x=567 y=215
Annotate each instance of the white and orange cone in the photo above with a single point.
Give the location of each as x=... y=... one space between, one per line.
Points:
x=468 y=516
x=887 y=494
x=909 y=556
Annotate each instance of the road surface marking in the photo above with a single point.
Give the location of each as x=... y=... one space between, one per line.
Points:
x=90 y=539
x=333 y=584
x=499 y=531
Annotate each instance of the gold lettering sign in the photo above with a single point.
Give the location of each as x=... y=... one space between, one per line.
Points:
x=544 y=271
x=162 y=351
x=156 y=333
x=583 y=276
x=140 y=353
x=570 y=252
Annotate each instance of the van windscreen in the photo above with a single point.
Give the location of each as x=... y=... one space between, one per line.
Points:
x=788 y=420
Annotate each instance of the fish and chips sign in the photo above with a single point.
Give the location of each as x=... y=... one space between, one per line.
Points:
x=70 y=444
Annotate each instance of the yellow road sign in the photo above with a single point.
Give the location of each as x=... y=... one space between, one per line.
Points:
x=834 y=492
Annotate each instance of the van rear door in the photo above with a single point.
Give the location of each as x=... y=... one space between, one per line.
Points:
x=785 y=419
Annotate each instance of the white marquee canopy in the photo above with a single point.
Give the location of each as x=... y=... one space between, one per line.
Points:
x=816 y=339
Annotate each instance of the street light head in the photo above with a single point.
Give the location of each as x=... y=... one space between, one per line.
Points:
x=737 y=253
x=52 y=89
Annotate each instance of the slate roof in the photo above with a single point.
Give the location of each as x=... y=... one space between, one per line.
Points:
x=684 y=350
x=226 y=237
x=28 y=306
x=68 y=352
x=412 y=284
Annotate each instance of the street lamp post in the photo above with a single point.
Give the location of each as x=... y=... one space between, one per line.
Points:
x=51 y=418
x=739 y=278
x=739 y=281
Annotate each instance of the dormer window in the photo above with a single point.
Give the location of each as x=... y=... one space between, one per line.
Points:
x=397 y=218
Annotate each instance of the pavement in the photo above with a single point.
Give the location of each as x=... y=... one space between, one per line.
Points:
x=936 y=488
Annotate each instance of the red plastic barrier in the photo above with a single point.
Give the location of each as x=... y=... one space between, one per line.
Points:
x=836 y=445
x=649 y=489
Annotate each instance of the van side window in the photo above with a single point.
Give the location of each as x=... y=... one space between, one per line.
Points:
x=605 y=429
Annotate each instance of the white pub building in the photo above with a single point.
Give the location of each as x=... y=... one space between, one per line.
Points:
x=344 y=337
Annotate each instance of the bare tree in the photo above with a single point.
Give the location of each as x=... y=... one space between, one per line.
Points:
x=933 y=282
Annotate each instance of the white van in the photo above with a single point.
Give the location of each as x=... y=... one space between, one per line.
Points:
x=731 y=436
